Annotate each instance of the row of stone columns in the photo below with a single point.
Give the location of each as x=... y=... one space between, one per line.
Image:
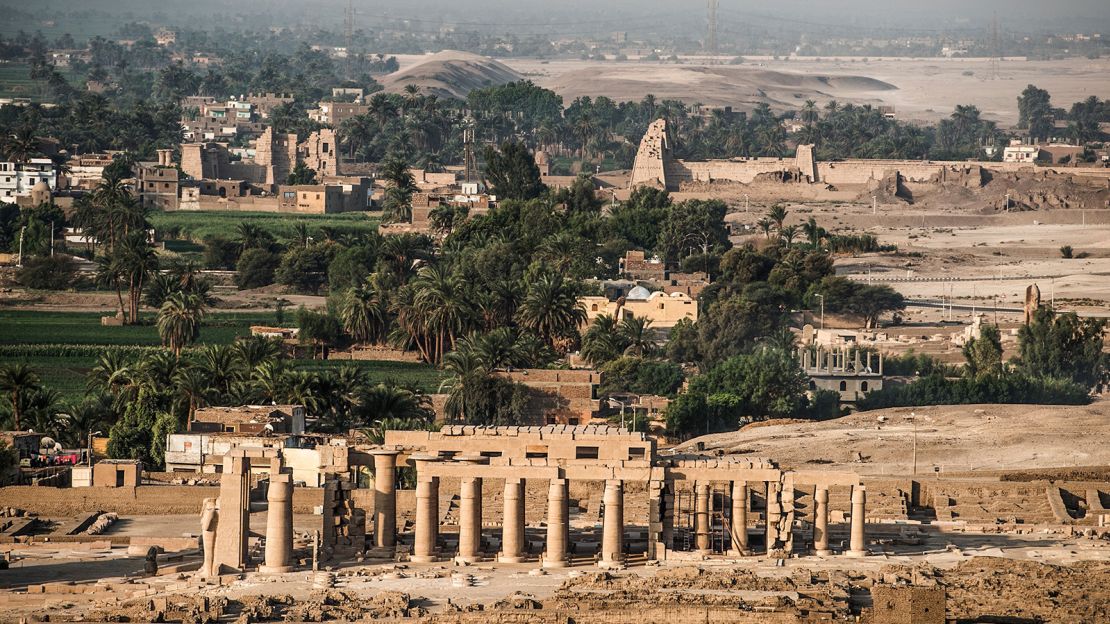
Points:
x=739 y=521
x=558 y=516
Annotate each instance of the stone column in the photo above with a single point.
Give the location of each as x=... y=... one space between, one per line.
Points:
x=279 y=525
x=427 y=512
x=774 y=513
x=740 y=517
x=821 y=523
x=612 y=534
x=470 y=515
x=701 y=517
x=557 y=525
x=512 y=527
x=234 y=525
x=385 y=498
x=857 y=547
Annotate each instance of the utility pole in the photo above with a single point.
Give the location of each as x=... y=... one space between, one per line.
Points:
x=822 y=297
x=711 y=35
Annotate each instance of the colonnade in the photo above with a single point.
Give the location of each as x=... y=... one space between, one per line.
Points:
x=472 y=471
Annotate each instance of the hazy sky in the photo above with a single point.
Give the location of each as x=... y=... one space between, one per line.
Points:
x=525 y=15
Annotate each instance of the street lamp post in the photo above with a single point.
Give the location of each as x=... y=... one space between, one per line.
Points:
x=622 y=405
x=91 y=434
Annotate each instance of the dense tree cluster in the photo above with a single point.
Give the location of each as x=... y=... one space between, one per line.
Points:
x=1060 y=360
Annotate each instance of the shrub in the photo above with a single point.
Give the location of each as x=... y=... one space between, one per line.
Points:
x=48 y=273
x=256 y=269
x=1066 y=252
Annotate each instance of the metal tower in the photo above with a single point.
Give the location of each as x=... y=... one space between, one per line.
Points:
x=348 y=34
x=996 y=48
x=711 y=36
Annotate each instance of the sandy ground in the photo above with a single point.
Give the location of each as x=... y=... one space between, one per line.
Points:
x=926 y=89
x=964 y=438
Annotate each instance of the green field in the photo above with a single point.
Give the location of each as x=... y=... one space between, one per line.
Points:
x=196 y=226
x=15 y=82
x=63 y=346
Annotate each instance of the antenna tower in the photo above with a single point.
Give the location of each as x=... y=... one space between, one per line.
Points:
x=996 y=48
x=711 y=35
x=468 y=149
x=348 y=34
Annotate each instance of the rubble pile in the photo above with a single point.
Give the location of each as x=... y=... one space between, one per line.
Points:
x=992 y=587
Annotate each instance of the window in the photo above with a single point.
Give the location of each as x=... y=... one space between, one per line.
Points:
x=843 y=386
x=586 y=452
x=119 y=478
x=636 y=452
x=490 y=453
x=593 y=308
x=863 y=386
x=535 y=455
x=324 y=148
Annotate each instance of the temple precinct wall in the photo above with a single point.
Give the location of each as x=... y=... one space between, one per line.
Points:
x=655 y=165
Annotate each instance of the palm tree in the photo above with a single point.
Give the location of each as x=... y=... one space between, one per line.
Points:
x=137 y=260
x=179 y=321
x=252 y=236
x=252 y=351
x=112 y=373
x=634 y=334
x=439 y=298
x=809 y=113
x=813 y=232
x=21 y=145
x=191 y=382
x=777 y=215
x=600 y=343
x=365 y=313
x=765 y=224
x=17 y=380
x=551 y=308
x=788 y=233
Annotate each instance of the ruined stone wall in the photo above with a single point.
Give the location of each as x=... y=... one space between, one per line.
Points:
x=649 y=168
x=319 y=153
x=139 y=501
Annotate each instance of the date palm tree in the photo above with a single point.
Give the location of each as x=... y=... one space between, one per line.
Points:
x=365 y=313
x=179 y=321
x=17 y=380
x=777 y=215
x=550 y=307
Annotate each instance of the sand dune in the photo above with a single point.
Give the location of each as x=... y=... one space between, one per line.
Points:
x=741 y=87
x=451 y=74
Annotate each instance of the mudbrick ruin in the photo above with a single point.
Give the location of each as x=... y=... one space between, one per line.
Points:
x=560 y=524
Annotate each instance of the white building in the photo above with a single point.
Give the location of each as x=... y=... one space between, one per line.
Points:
x=17 y=179
x=1021 y=154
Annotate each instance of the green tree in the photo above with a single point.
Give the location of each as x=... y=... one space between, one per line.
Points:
x=1035 y=112
x=551 y=308
x=641 y=376
x=301 y=174
x=256 y=268
x=179 y=320
x=984 y=352
x=16 y=380
x=763 y=384
x=305 y=269
x=1061 y=345
x=512 y=172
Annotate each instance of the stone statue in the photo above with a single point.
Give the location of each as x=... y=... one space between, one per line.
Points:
x=1032 y=302
x=209 y=519
x=151 y=564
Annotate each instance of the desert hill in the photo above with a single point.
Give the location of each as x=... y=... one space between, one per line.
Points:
x=742 y=87
x=451 y=74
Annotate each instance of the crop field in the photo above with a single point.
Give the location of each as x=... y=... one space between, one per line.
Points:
x=15 y=82
x=196 y=226
x=63 y=346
